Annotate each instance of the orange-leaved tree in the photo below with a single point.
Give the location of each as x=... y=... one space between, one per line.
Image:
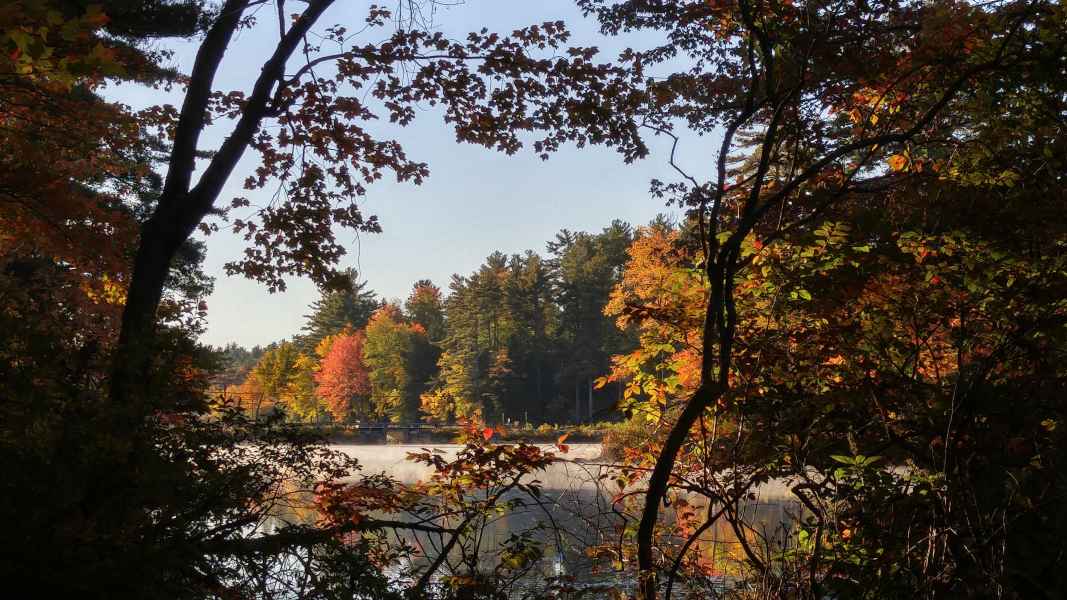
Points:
x=835 y=106
x=342 y=377
x=323 y=95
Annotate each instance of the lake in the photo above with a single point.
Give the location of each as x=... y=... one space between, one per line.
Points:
x=576 y=514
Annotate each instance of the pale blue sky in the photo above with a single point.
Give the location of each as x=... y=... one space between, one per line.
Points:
x=474 y=202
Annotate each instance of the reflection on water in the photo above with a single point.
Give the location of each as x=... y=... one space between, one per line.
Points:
x=576 y=524
x=571 y=516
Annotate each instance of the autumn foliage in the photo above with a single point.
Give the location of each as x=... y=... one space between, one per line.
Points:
x=862 y=303
x=342 y=378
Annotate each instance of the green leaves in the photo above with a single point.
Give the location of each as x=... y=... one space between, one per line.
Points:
x=858 y=460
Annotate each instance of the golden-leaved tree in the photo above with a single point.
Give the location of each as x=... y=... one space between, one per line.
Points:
x=883 y=188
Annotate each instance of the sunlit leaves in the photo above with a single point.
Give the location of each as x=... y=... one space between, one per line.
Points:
x=343 y=379
x=897 y=162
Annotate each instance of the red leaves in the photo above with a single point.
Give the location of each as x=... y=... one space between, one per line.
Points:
x=343 y=375
x=487 y=433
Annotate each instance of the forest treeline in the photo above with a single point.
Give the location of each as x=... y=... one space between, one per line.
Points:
x=864 y=304
x=524 y=338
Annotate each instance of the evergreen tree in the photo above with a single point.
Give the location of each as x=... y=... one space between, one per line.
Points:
x=585 y=268
x=426 y=307
x=350 y=306
x=528 y=296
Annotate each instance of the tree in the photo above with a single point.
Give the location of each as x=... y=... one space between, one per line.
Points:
x=343 y=380
x=531 y=304
x=301 y=395
x=662 y=293
x=585 y=267
x=79 y=171
x=394 y=350
x=843 y=107
x=275 y=368
x=425 y=307
x=350 y=307
x=236 y=362
x=500 y=383
x=557 y=97
x=454 y=397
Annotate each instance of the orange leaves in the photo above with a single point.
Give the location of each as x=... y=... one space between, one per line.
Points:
x=487 y=433
x=897 y=162
x=340 y=504
x=662 y=294
x=563 y=448
x=343 y=375
x=835 y=360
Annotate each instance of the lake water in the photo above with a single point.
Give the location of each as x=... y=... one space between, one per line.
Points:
x=575 y=515
x=392 y=460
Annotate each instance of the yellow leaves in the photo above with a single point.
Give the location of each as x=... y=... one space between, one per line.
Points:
x=105 y=291
x=897 y=162
x=438 y=405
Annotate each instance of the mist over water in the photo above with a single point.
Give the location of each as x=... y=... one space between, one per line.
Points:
x=574 y=513
x=567 y=474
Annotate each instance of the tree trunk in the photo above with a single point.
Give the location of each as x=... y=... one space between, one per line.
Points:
x=577 y=401
x=590 y=380
x=180 y=208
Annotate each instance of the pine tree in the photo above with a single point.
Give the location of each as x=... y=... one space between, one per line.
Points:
x=425 y=307
x=351 y=307
x=585 y=267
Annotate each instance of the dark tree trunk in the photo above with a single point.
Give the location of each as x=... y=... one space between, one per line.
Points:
x=180 y=208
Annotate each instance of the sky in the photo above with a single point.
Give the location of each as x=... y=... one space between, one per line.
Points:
x=476 y=201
